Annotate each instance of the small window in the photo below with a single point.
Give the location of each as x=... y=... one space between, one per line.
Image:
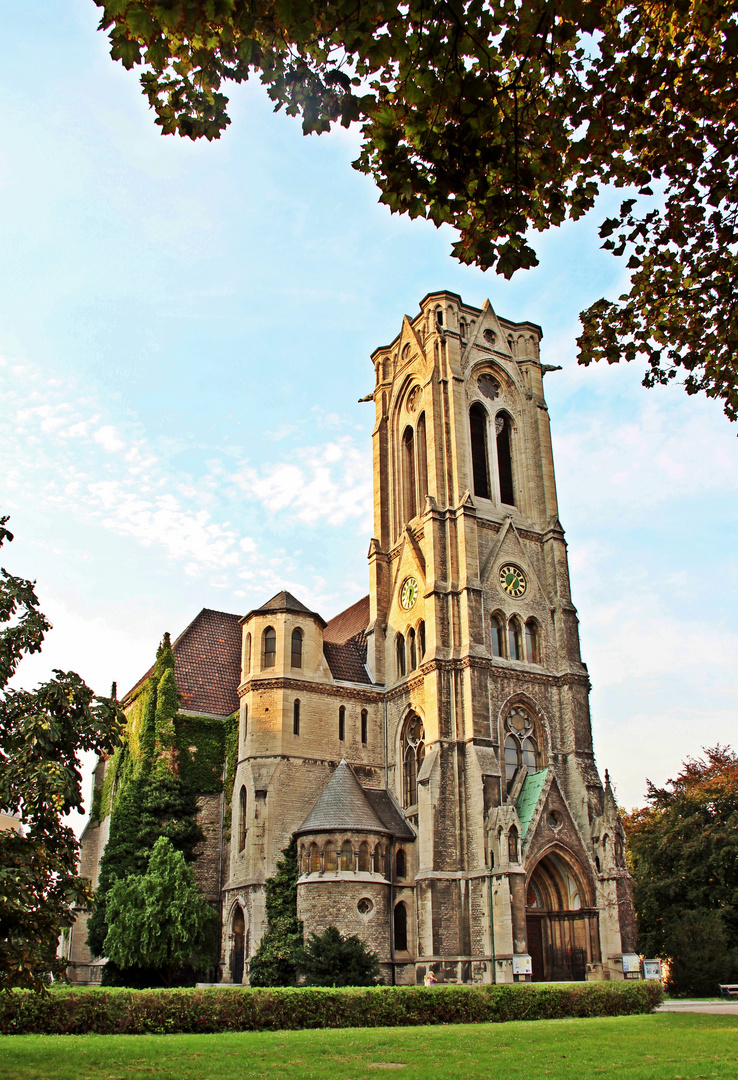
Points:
x=496 y=636
x=314 y=860
x=245 y=721
x=342 y=723
x=400 y=863
x=330 y=858
x=347 y=855
x=531 y=642
x=297 y=648
x=511 y=759
x=400 y=920
x=364 y=726
x=378 y=860
x=514 y=643
x=296 y=717
x=439 y=316
x=247 y=654
x=364 y=858
x=242 y=819
x=421 y=640
x=400 y=652
x=462 y=329
x=412 y=649
x=269 y=648
x=512 y=844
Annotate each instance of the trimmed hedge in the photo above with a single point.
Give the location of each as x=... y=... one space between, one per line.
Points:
x=137 y=1012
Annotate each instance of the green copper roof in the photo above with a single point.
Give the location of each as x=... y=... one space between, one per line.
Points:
x=529 y=796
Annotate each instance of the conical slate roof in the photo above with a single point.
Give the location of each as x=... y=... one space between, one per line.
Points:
x=285 y=601
x=342 y=806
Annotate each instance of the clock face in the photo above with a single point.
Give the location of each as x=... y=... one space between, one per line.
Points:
x=409 y=593
x=512 y=580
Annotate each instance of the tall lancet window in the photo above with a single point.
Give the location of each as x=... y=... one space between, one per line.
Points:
x=504 y=458
x=408 y=474
x=478 y=431
x=413 y=752
x=422 y=461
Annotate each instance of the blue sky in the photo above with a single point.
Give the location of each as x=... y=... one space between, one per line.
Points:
x=185 y=330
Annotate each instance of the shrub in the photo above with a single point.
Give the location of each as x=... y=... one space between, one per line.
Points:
x=134 y=1012
x=329 y=959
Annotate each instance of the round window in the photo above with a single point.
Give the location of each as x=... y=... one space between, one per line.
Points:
x=365 y=906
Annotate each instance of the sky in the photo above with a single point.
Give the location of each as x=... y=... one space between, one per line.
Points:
x=185 y=331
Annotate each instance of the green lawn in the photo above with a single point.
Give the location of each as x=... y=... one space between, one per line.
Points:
x=684 y=1046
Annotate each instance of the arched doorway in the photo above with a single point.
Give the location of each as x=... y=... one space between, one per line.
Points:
x=561 y=920
x=239 y=941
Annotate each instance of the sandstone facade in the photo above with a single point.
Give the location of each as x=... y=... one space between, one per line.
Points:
x=431 y=747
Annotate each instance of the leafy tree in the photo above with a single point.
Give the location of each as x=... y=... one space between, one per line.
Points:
x=274 y=963
x=683 y=855
x=328 y=959
x=41 y=733
x=499 y=119
x=159 y=920
x=153 y=800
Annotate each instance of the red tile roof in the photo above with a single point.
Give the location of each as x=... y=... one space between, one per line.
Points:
x=348 y=624
x=207 y=664
x=347 y=662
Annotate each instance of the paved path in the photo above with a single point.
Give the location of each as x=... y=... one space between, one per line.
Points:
x=718 y=1008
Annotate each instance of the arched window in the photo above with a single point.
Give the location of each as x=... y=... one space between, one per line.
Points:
x=408 y=474
x=378 y=860
x=242 y=819
x=512 y=844
x=296 y=717
x=400 y=650
x=514 y=642
x=496 y=636
x=247 y=654
x=413 y=752
x=412 y=649
x=347 y=855
x=511 y=344
x=531 y=642
x=400 y=863
x=478 y=431
x=330 y=858
x=364 y=858
x=364 y=726
x=504 y=459
x=297 y=648
x=268 y=647
x=462 y=329
x=421 y=639
x=314 y=860
x=422 y=460
x=439 y=316
x=400 y=919
x=520 y=745
x=342 y=723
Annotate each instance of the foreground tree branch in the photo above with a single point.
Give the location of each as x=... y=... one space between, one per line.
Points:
x=499 y=119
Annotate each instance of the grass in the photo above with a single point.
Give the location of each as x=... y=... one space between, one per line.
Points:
x=681 y=1046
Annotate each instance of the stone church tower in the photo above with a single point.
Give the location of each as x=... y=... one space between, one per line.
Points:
x=430 y=747
x=466 y=827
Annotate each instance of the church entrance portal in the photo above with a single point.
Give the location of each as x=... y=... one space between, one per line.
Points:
x=239 y=940
x=562 y=923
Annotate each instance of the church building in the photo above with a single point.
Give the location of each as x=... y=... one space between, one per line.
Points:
x=430 y=748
